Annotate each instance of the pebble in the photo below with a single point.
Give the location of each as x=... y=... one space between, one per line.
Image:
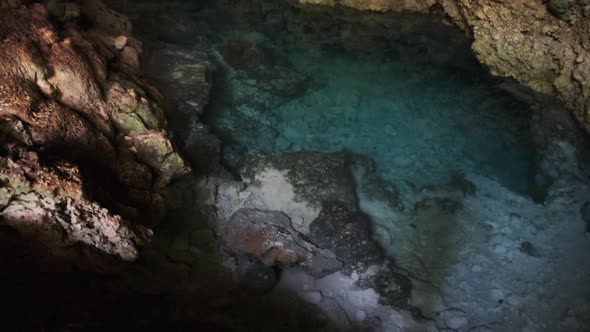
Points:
x=177 y=75
x=244 y=194
x=120 y=42
x=313 y=297
x=230 y=264
x=497 y=295
x=360 y=315
x=476 y=268
x=456 y=322
x=499 y=249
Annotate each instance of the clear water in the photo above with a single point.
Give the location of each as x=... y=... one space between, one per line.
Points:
x=402 y=90
x=419 y=118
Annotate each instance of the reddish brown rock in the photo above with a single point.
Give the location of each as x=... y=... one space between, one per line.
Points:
x=269 y=236
x=72 y=101
x=48 y=206
x=81 y=98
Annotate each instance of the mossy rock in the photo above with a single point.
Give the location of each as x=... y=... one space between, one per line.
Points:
x=156 y=151
x=560 y=7
x=147 y=116
x=128 y=123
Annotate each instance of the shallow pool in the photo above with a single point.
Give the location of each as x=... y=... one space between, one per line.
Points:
x=416 y=102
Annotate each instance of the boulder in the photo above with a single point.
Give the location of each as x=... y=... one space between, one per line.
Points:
x=268 y=236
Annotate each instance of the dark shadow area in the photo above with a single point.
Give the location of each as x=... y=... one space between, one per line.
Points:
x=43 y=293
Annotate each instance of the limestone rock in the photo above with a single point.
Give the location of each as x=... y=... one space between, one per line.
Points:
x=345 y=233
x=62 y=93
x=187 y=83
x=543 y=45
x=316 y=177
x=269 y=236
x=71 y=104
x=47 y=205
x=120 y=42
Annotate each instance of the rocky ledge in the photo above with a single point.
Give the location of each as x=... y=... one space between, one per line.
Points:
x=81 y=131
x=544 y=45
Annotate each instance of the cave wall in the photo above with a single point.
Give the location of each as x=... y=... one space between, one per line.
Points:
x=542 y=45
x=84 y=153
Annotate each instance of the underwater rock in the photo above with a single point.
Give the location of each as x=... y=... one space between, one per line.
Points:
x=523 y=40
x=347 y=234
x=316 y=177
x=256 y=63
x=245 y=55
x=295 y=184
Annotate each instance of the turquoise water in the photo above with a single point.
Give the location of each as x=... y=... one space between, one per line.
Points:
x=419 y=117
x=402 y=90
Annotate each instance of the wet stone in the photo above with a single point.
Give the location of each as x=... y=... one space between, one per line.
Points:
x=345 y=233
x=269 y=236
x=313 y=297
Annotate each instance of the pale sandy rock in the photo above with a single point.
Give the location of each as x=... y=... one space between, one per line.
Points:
x=120 y=42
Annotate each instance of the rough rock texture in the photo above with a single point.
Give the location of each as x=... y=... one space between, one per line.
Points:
x=299 y=210
x=347 y=234
x=186 y=82
x=543 y=46
x=47 y=205
x=269 y=236
x=254 y=62
x=74 y=107
x=316 y=177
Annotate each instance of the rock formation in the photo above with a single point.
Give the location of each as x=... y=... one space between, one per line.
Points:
x=81 y=129
x=544 y=46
